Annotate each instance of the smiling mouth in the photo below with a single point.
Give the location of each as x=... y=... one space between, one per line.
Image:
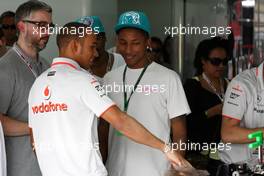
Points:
x=129 y=57
x=45 y=39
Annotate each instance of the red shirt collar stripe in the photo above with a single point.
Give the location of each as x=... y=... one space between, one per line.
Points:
x=64 y=63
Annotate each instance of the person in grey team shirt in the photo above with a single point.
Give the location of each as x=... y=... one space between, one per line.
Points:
x=19 y=68
x=243 y=113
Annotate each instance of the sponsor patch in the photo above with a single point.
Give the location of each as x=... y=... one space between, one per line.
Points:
x=49 y=107
x=234 y=95
x=261 y=111
x=232 y=103
x=52 y=73
x=45 y=107
x=99 y=89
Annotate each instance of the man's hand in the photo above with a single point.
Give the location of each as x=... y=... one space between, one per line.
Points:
x=13 y=127
x=177 y=160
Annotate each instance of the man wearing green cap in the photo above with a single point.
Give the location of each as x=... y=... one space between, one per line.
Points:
x=149 y=92
x=105 y=61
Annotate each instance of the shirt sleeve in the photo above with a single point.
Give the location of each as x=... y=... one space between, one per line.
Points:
x=176 y=99
x=235 y=100
x=106 y=84
x=95 y=98
x=30 y=112
x=6 y=89
x=118 y=61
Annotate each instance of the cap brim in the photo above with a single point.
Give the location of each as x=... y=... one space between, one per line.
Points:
x=122 y=26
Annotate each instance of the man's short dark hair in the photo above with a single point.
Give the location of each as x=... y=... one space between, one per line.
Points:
x=7 y=14
x=25 y=9
x=64 y=36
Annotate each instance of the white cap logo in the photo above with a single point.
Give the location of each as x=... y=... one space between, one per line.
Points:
x=131 y=17
x=87 y=21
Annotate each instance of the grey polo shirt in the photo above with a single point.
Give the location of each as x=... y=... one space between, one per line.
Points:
x=17 y=74
x=244 y=102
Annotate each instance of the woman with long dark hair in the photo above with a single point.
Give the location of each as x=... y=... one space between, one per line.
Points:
x=205 y=94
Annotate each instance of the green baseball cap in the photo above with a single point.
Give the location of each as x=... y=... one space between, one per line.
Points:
x=92 y=21
x=133 y=19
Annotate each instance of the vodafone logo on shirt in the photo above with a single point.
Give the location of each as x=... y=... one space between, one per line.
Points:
x=47 y=93
x=46 y=107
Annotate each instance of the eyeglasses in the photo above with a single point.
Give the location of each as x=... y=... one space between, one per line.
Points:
x=6 y=27
x=217 y=61
x=40 y=24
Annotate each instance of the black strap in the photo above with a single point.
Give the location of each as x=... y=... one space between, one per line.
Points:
x=126 y=101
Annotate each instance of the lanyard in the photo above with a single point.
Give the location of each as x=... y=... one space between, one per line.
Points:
x=126 y=101
x=26 y=62
x=221 y=95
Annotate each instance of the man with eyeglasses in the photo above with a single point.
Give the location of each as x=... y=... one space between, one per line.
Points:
x=19 y=68
x=7 y=21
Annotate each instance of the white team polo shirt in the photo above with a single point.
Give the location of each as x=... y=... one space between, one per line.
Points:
x=2 y=153
x=244 y=101
x=63 y=103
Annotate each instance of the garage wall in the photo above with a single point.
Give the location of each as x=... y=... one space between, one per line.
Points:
x=67 y=10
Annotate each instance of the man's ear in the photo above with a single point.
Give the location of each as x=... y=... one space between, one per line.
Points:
x=76 y=47
x=149 y=43
x=148 y=47
x=21 y=26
